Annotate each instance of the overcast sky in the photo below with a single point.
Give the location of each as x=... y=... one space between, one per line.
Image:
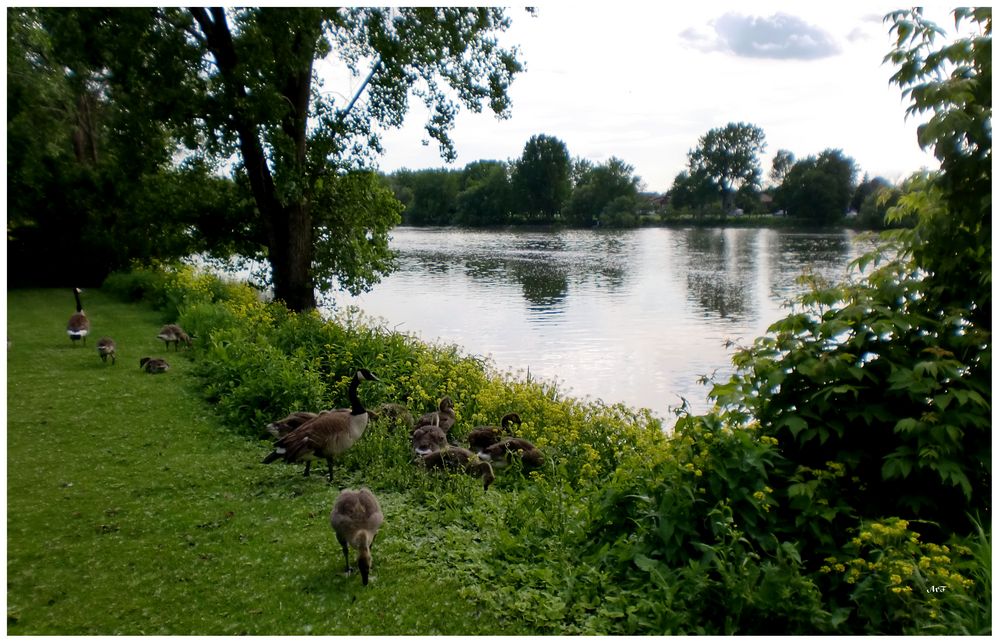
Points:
x=643 y=81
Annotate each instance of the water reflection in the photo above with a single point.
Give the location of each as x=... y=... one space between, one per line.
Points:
x=632 y=316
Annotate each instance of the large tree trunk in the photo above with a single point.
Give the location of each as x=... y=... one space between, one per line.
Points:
x=288 y=226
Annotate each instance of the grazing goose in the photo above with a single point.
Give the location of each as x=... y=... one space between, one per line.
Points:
x=174 y=333
x=355 y=519
x=78 y=326
x=502 y=453
x=154 y=365
x=327 y=435
x=483 y=436
x=287 y=424
x=106 y=348
x=458 y=459
x=443 y=417
x=428 y=439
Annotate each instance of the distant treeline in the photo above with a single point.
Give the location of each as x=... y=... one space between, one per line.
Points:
x=546 y=186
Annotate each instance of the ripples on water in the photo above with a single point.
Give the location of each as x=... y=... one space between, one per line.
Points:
x=624 y=316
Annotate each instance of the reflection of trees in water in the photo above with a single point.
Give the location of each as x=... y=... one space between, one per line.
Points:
x=544 y=285
x=543 y=265
x=717 y=296
x=793 y=254
x=720 y=266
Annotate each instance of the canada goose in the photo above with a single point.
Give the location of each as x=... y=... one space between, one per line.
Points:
x=503 y=452
x=326 y=435
x=174 y=333
x=428 y=439
x=443 y=417
x=453 y=458
x=154 y=365
x=395 y=415
x=355 y=519
x=483 y=436
x=106 y=348
x=78 y=326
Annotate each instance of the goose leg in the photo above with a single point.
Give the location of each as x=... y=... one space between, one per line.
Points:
x=308 y=467
x=346 y=556
x=329 y=463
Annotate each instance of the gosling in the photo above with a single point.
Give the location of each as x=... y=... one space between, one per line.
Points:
x=107 y=348
x=154 y=365
x=458 y=459
x=484 y=436
x=355 y=519
x=505 y=451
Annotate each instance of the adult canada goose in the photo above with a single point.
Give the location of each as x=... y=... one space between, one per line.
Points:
x=327 y=435
x=106 y=348
x=154 y=365
x=428 y=439
x=453 y=458
x=355 y=519
x=174 y=333
x=290 y=422
x=483 y=436
x=443 y=417
x=78 y=326
x=502 y=453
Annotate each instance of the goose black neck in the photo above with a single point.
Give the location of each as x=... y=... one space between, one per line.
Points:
x=356 y=408
x=79 y=306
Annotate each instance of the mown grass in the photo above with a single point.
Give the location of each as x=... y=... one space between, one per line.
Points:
x=130 y=511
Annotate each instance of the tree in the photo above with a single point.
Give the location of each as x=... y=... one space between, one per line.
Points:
x=877 y=392
x=485 y=194
x=867 y=187
x=599 y=187
x=243 y=83
x=693 y=192
x=90 y=172
x=819 y=188
x=780 y=166
x=541 y=177
x=729 y=156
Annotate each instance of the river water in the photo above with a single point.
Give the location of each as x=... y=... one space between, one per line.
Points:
x=624 y=316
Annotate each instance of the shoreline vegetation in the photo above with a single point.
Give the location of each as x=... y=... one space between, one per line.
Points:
x=155 y=516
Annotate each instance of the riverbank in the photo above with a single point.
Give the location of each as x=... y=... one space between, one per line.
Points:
x=131 y=511
x=138 y=504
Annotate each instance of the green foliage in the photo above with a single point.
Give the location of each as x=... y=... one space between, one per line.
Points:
x=541 y=178
x=605 y=194
x=729 y=157
x=819 y=188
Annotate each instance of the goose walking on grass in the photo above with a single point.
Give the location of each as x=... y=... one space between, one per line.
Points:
x=453 y=458
x=174 y=333
x=326 y=435
x=154 y=365
x=78 y=326
x=483 y=436
x=107 y=348
x=355 y=519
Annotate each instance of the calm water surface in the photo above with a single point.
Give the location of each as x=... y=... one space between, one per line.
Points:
x=623 y=316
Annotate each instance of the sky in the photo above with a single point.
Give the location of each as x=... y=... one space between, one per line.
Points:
x=644 y=81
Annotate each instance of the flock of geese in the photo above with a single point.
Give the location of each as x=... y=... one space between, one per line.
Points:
x=78 y=327
x=305 y=436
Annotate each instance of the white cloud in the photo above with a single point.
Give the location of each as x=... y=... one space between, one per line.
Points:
x=780 y=36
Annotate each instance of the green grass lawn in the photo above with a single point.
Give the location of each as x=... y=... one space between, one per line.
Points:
x=131 y=511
